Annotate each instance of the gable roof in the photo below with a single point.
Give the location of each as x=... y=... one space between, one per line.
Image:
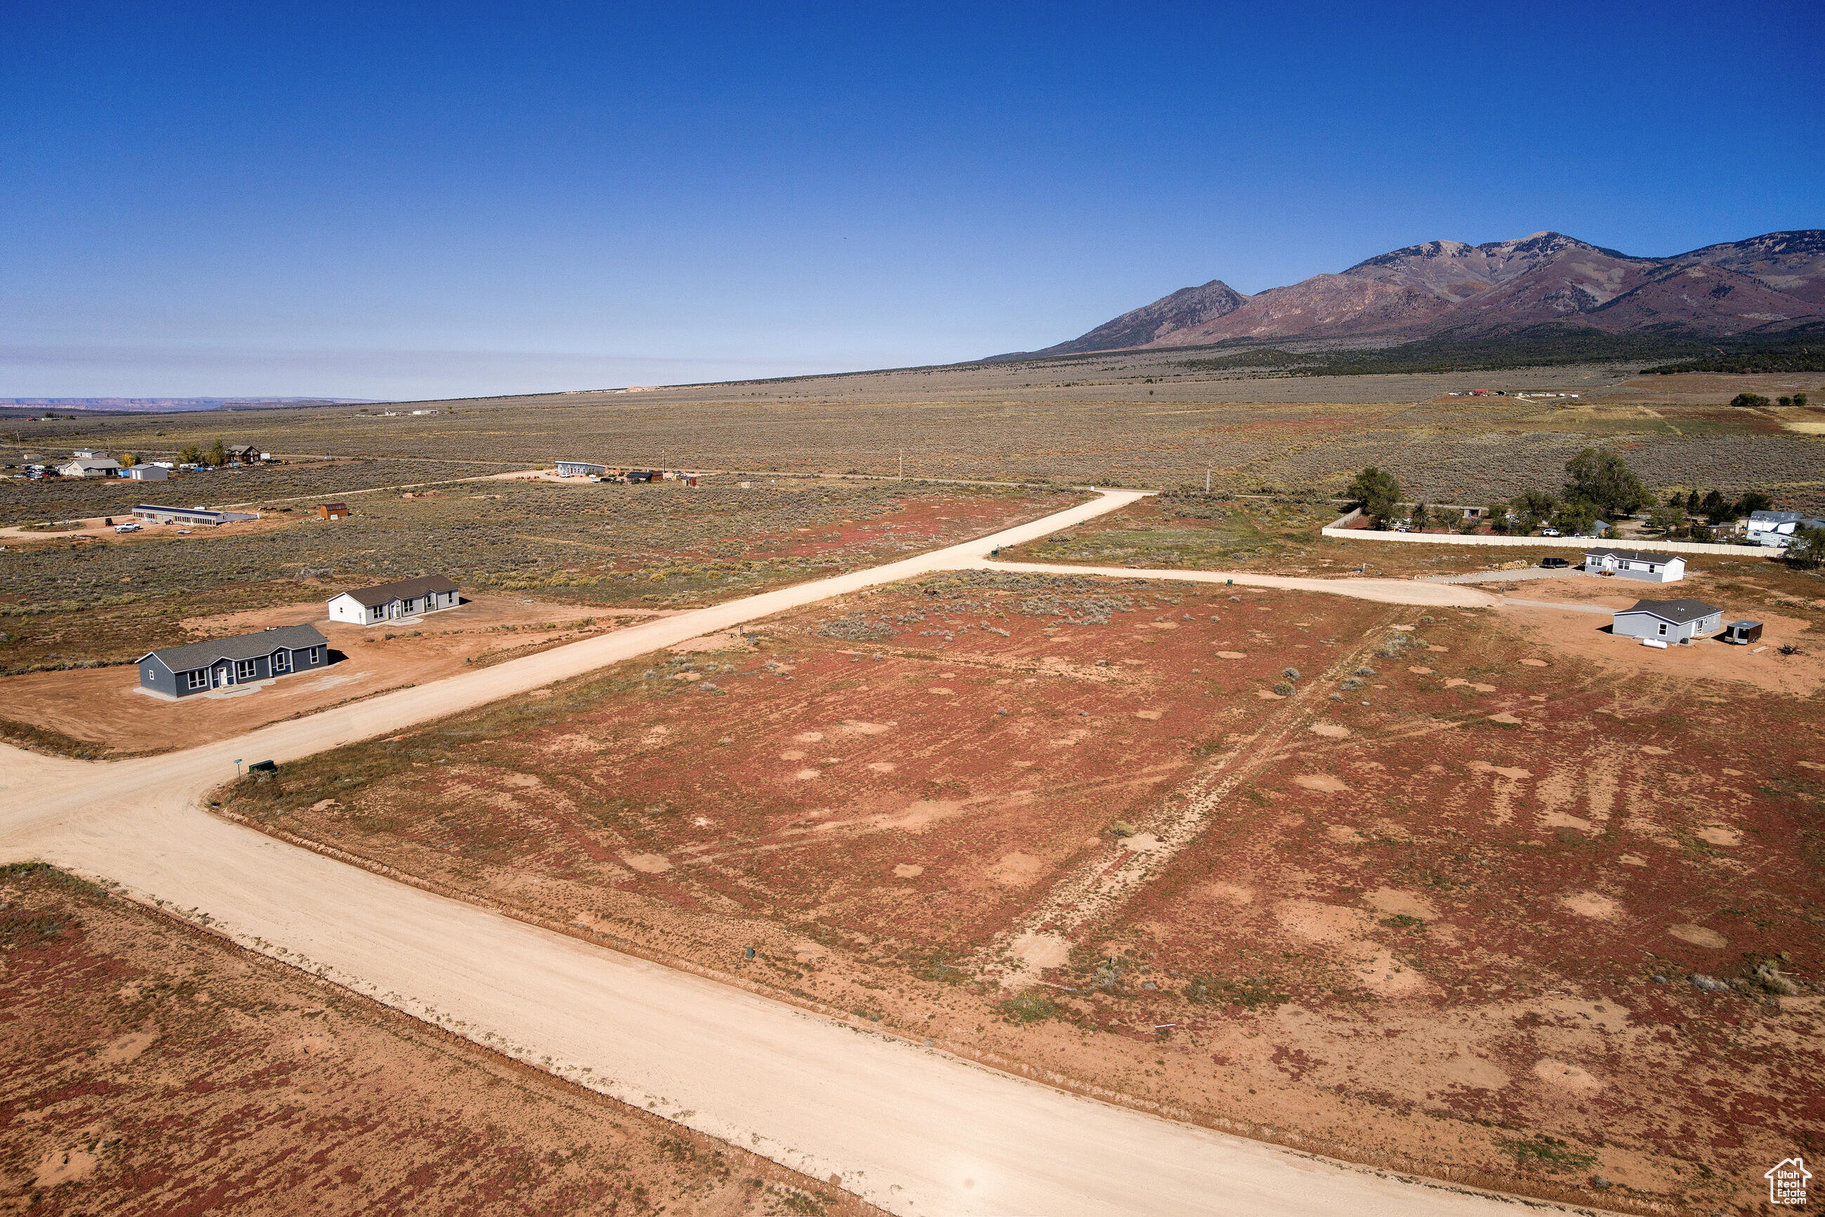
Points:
x=1677 y=611
x=1632 y=555
x=404 y=589
x=92 y=462
x=241 y=646
x=1773 y=517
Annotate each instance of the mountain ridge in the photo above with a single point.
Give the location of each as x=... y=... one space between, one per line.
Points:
x=1759 y=285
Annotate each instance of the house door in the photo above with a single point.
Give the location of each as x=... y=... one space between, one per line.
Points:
x=221 y=676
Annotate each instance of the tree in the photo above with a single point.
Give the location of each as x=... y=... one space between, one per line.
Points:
x=1715 y=508
x=1754 y=401
x=1451 y=519
x=191 y=455
x=1807 y=549
x=1751 y=503
x=1530 y=509
x=1376 y=491
x=1799 y=399
x=1577 y=519
x=1422 y=516
x=1667 y=520
x=1605 y=481
x=217 y=454
x=128 y=460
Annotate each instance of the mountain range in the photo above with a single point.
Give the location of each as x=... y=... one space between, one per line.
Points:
x=1765 y=285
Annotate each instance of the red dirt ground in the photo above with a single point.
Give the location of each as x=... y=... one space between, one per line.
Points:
x=146 y=1068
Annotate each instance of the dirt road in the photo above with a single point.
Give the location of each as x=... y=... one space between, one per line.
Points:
x=909 y=1128
x=1386 y=591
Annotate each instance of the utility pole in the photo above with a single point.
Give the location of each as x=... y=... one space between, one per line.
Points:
x=902 y=464
x=1207 y=480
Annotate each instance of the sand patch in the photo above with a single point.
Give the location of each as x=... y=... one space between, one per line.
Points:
x=1717 y=834
x=1149 y=715
x=882 y=766
x=1324 y=783
x=1267 y=695
x=808 y=737
x=1506 y=719
x=941 y=691
x=906 y=870
x=807 y=775
x=1163 y=625
x=1561 y=819
x=855 y=726
x=1232 y=655
x=1632 y=860
x=1534 y=663
x=1473 y=1072
x=1566 y=1076
x=1651 y=750
x=1016 y=870
x=1698 y=936
x=1038 y=951
x=64 y=1166
x=1343 y=834
x=1419 y=669
x=1393 y=902
x=127 y=1048
x=1458 y=682
x=1330 y=730
x=792 y=754
x=1232 y=892
x=648 y=864
x=1140 y=843
x=1513 y=775
x=920 y=813
x=1591 y=904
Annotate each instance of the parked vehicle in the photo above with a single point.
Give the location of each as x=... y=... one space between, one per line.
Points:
x=1554 y=563
x=126 y=528
x=1549 y=532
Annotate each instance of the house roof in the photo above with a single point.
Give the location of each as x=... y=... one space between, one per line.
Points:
x=241 y=646
x=404 y=589
x=335 y=506
x=1677 y=611
x=1633 y=555
x=1774 y=517
x=92 y=462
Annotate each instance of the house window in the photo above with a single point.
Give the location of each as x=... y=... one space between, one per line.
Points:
x=316 y=653
x=196 y=680
x=1663 y=629
x=246 y=669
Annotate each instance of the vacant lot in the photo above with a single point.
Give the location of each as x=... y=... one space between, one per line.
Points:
x=149 y=1069
x=1334 y=873
x=70 y=603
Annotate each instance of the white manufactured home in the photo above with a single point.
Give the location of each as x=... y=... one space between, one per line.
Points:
x=394 y=601
x=1631 y=564
x=580 y=469
x=1668 y=621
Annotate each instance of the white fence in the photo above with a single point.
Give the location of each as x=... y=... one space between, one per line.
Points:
x=1339 y=528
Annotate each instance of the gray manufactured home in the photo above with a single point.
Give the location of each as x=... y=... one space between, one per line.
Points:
x=393 y=601
x=1632 y=564
x=1669 y=621
x=200 y=666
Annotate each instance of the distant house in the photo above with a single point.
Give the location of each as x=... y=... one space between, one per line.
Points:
x=332 y=511
x=580 y=469
x=247 y=454
x=146 y=473
x=392 y=601
x=1776 y=528
x=201 y=666
x=90 y=467
x=1630 y=564
x=152 y=513
x=1668 y=620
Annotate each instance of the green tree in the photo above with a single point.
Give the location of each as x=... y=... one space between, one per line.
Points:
x=1750 y=503
x=217 y=454
x=1532 y=508
x=1575 y=519
x=1753 y=401
x=191 y=455
x=1376 y=491
x=1799 y=399
x=1605 y=481
x=1715 y=508
x=1807 y=549
x=1422 y=516
x=1667 y=519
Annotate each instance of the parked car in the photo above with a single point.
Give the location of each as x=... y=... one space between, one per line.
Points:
x=1549 y=532
x=126 y=528
x=1555 y=563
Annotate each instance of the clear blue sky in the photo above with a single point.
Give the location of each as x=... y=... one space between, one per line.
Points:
x=377 y=200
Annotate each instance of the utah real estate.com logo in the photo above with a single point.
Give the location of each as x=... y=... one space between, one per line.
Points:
x=1787 y=1181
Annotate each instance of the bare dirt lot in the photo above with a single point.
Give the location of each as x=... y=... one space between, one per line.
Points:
x=146 y=1068
x=1201 y=872
x=103 y=712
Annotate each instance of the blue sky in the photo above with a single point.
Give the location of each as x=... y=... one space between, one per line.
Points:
x=378 y=201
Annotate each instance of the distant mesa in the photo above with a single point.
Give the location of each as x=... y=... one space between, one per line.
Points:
x=1764 y=285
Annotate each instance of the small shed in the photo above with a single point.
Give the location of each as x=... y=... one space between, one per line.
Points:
x=1632 y=564
x=1668 y=621
x=146 y=473
x=332 y=511
x=1742 y=633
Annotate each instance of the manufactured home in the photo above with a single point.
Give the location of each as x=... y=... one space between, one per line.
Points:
x=152 y=513
x=90 y=467
x=1775 y=529
x=199 y=667
x=1668 y=621
x=394 y=601
x=580 y=469
x=1630 y=564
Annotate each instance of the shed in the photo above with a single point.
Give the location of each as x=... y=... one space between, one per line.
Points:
x=1742 y=633
x=580 y=469
x=146 y=473
x=332 y=511
x=200 y=666
x=393 y=601
x=1668 y=620
x=1632 y=564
